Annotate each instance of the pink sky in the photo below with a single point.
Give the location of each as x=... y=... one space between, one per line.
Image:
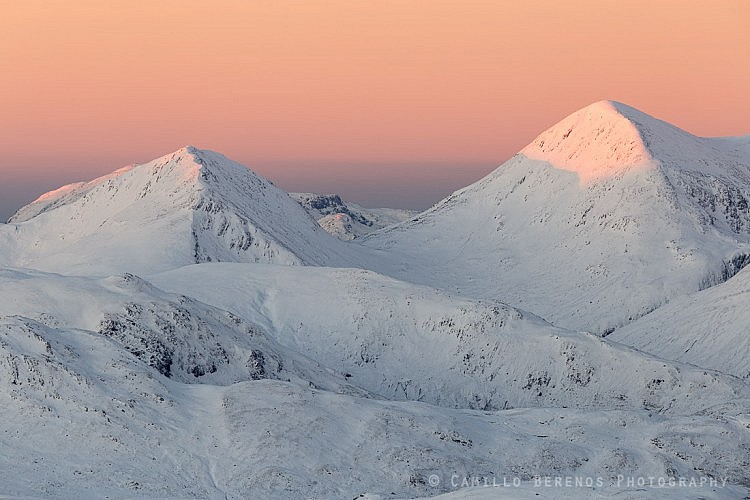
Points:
x=388 y=103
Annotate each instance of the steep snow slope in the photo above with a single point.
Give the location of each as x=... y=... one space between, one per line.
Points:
x=186 y=207
x=100 y=396
x=347 y=220
x=710 y=328
x=601 y=219
x=402 y=341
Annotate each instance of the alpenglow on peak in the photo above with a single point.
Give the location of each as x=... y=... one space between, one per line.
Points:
x=597 y=141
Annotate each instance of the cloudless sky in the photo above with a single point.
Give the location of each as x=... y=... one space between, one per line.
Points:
x=388 y=102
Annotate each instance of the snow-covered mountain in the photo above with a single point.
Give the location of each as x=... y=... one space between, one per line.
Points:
x=183 y=328
x=186 y=207
x=402 y=341
x=602 y=218
x=347 y=220
x=113 y=387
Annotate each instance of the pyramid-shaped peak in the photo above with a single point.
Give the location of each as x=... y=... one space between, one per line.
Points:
x=179 y=175
x=188 y=150
x=196 y=154
x=608 y=110
x=184 y=155
x=191 y=163
x=191 y=154
x=184 y=207
x=598 y=141
x=206 y=157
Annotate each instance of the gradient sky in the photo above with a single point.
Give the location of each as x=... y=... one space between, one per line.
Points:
x=389 y=102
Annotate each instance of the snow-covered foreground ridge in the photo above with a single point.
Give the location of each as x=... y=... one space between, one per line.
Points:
x=183 y=328
x=117 y=388
x=402 y=341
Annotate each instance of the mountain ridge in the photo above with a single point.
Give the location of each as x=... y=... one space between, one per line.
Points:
x=195 y=205
x=661 y=220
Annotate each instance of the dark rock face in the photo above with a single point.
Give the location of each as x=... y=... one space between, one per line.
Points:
x=185 y=346
x=723 y=201
x=332 y=201
x=328 y=204
x=167 y=339
x=727 y=269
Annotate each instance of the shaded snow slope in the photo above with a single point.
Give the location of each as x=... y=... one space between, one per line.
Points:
x=347 y=220
x=600 y=220
x=402 y=341
x=186 y=207
x=710 y=328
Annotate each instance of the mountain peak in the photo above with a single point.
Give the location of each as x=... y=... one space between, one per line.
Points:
x=188 y=206
x=194 y=167
x=661 y=212
x=598 y=141
x=186 y=160
x=187 y=149
x=196 y=154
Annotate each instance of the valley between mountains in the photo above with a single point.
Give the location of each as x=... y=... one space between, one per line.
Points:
x=184 y=328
